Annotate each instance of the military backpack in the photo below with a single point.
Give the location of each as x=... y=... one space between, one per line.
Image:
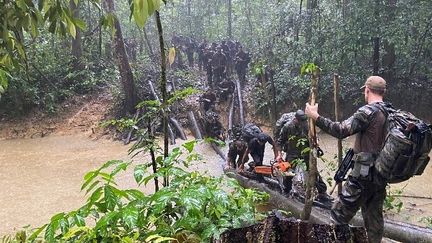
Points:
x=286 y=117
x=250 y=131
x=406 y=147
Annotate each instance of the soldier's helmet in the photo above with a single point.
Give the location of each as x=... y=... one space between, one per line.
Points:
x=300 y=115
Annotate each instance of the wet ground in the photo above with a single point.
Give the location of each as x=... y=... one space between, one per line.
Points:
x=41 y=177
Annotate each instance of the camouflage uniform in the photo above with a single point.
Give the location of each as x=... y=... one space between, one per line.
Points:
x=207 y=60
x=190 y=48
x=288 y=139
x=212 y=126
x=237 y=148
x=242 y=60
x=219 y=61
x=226 y=88
x=364 y=188
x=208 y=100
x=201 y=50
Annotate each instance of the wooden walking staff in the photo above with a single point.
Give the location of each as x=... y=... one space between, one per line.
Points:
x=313 y=154
x=337 y=117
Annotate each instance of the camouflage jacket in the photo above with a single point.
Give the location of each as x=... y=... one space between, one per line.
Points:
x=289 y=136
x=368 y=125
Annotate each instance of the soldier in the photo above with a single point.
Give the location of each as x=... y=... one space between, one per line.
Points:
x=219 y=61
x=226 y=52
x=208 y=100
x=293 y=139
x=365 y=188
x=201 y=49
x=242 y=60
x=212 y=126
x=256 y=147
x=237 y=149
x=226 y=88
x=177 y=42
x=207 y=62
x=190 y=48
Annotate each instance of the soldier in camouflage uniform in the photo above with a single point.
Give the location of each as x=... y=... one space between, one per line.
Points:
x=289 y=140
x=365 y=188
x=242 y=60
x=219 y=62
x=207 y=63
x=201 y=50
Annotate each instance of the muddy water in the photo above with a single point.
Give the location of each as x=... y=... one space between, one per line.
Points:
x=41 y=177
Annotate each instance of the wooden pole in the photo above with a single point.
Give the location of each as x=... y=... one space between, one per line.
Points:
x=312 y=173
x=337 y=118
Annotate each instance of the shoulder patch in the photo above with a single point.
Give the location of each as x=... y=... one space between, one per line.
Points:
x=368 y=109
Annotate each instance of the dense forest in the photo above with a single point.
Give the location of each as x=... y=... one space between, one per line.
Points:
x=146 y=54
x=351 y=38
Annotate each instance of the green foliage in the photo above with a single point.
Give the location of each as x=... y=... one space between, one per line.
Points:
x=308 y=68
x=392 y=203
x=142 y=9
x=19 y=17
x=193 y=206
x=427 y=221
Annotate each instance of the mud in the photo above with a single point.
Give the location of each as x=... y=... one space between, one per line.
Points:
x=43 y=176
x=78 y=115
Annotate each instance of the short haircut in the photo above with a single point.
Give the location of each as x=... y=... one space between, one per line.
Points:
x=378 y=91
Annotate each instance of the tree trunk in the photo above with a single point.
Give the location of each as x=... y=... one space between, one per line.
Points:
x=345 y=8
x=100 y=36
x=376 y=54
x=163 y=89
x=312 y=173
x=389 y=56
x=149 y=47
x=376 y=40
x=122 y=62
x=153 y=157
x=76 y=42
x=298 y=24
x=230 y=19
x=249 y=19
x=310 y=5
x=189 y=17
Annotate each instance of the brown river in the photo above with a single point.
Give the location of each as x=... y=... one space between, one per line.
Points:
x=41 y=177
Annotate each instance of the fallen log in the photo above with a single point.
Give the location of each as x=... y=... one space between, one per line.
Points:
x=178 y=127
x=240 y=100
x=171 y=135
x=280 y=229
x=194 y=125
x=398 y=231
x=231 y=114
x=218 y=151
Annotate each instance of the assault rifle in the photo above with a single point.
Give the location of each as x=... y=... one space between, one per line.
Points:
x=343 y=169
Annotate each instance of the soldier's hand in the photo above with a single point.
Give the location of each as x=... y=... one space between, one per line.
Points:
x=312 y=111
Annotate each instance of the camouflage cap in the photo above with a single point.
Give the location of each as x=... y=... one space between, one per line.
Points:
x=375 y=83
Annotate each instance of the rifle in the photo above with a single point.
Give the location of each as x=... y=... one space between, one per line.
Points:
x=347 y=164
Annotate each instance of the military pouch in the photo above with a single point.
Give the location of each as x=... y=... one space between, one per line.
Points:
x=362 y=164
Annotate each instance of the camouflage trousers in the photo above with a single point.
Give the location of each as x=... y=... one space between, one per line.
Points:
x=366 y=194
